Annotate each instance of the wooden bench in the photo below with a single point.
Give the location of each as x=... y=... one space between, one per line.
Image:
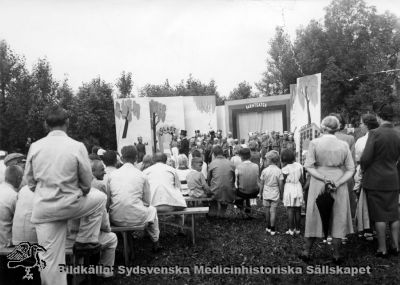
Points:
x=7 y=250
x=128 y=248
x=188 y=211
x=195 y=202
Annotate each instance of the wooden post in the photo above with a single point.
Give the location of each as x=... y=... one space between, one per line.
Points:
x=154 y=132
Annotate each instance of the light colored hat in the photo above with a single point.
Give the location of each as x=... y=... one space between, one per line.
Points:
x=13 y=156
x=100 y=152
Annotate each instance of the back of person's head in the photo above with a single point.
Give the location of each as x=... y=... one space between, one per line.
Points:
x=386 y=112
x=146 y=162
x=182 y=161
x=95 y=163
x=217 y=150
x=196 y=153
x=330 y=124
x=196 y=163
x=129 y=153
x=97 y=168
x=273 y=157
x=287 y=156
x=93 y=156
x=252 y=145
x=242 y=141
x=342 y=122
x=56 y=117
x=171 y=162
x=160 y=157
x=245 y=153
x=14 y=175
x=95 y=149
x=370 y=121
x=109 y=158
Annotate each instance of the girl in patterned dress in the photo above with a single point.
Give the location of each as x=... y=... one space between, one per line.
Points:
x=293 y=192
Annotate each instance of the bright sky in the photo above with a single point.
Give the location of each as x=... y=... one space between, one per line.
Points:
x=224 y=40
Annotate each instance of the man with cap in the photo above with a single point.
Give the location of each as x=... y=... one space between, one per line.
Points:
x=184 y=147
x=14 y=159
x=141 y=149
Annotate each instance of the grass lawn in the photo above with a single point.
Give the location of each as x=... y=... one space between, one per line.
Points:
x=236 y=242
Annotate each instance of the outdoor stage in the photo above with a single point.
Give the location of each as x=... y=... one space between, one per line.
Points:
x=162 y=117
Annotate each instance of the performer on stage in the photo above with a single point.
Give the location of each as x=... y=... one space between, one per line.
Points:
x=184 y=147
x=141 y=149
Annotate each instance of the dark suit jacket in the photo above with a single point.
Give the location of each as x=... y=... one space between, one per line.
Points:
x=379 y=159
x=184 y=149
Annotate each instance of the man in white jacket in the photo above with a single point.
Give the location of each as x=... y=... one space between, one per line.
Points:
x=58 y=171
x=128 y=187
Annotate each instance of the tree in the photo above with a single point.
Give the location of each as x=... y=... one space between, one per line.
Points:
x=19 y=103
x=154 y=90
x=124 y=85
x=11 y=66
x=282 y=68
x=190 y=87
x=157 y=115
x=42 y=96
x=351 y=48
x=243 y=91
x=93 y=119
x=65 y=96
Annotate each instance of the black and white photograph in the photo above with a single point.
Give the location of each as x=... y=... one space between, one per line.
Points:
x=199 y=142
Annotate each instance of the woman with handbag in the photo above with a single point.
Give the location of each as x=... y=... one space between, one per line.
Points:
x=329 y=161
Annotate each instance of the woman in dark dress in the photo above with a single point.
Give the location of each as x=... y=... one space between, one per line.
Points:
x=381 y=180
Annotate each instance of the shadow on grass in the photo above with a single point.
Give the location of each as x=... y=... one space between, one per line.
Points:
x=237 y=242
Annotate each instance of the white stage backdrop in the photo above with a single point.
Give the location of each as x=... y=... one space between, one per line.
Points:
x=254 y=121
x=305 y=102
x=138 y=124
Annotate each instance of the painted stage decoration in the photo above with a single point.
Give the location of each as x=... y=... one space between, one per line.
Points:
x=157 y=114
x=125 y=110
x=305 y=111
x=145 y=116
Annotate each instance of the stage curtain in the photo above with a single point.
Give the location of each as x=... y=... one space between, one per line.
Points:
x=259 y=121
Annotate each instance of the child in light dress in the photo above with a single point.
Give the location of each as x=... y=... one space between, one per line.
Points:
x=293 y=191
x=271 y=188
x=183 y=170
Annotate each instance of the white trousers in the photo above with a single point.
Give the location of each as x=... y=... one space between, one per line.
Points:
x=153 y=229
x=52 y=236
